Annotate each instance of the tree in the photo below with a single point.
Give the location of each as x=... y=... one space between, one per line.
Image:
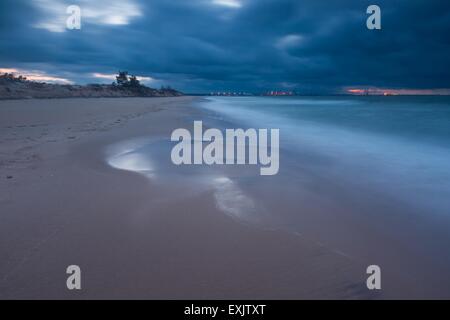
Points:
x=122 y=78
x=134 y=82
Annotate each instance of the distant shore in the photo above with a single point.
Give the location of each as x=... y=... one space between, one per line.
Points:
x=12 y=87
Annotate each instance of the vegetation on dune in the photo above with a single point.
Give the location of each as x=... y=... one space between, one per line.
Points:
x=13 y=86
x=11 y=77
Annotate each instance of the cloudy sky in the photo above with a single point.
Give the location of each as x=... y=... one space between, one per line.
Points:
x=312 y=46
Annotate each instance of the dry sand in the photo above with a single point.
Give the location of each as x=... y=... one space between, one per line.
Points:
x=61 y=204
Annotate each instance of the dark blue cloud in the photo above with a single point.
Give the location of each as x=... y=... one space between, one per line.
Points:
x=200 y=45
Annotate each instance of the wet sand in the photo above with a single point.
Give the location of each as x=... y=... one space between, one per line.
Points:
x=62 y=204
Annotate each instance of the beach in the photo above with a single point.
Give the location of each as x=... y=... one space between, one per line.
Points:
x=166 y=232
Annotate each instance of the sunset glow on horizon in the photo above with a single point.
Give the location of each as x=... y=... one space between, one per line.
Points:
x=395 y=92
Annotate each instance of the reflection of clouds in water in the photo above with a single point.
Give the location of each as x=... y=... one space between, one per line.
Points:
x=135 y=155
x=231 y=199
x=126 y=155
x=132 y=161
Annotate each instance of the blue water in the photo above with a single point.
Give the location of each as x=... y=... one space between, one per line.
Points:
x=400 y=145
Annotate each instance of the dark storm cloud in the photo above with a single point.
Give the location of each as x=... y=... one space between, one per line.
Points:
x=203 y=45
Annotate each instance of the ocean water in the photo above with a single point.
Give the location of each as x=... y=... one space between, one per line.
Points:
x=398 y=145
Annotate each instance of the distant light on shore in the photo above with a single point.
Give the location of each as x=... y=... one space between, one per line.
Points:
x=395 y=92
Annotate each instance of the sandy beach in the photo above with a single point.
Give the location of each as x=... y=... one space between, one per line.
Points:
x=134 y=237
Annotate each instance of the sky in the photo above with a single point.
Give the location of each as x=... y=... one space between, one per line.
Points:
x=199 y=46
